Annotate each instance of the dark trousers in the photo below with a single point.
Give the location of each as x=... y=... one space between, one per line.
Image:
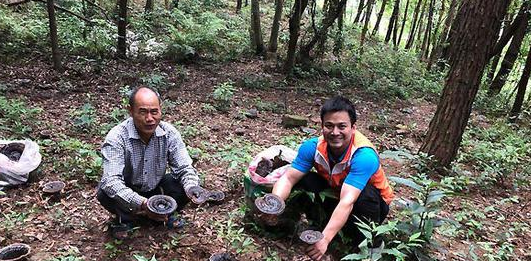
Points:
x=369 y=207
x=168 y=184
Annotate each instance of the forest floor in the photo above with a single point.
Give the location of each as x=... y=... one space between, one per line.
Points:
x=75 y=225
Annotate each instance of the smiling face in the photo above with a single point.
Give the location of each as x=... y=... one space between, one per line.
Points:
x=146 y=113
x=337 y=131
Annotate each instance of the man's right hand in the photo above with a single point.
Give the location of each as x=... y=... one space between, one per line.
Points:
x=151 y=215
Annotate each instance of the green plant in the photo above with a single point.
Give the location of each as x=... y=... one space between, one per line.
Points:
x=394 y=250
x=85 y=119
x=234 y=235
x=222 y=95
x=155 y=80
x=16 y=117
x=498 y=153
x=113 y=249
x=13 y=219
x=70 y=253
x=78 y=158
x=292 y=141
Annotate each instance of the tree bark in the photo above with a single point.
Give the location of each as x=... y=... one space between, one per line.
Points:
x=512 y=53
x=411 y=37
x=366 y=24
x=122 y=25
x=476 y=27
x=338 y=44
x=508 y=33
x=258 y=41
x=56 y=55
x=427 y=33
x=379 y=18
x=294 y=29
x=437 y=50
x=238 y=6
x=392 y=21
x=360 y=10
x=273 y=40
x=421 y=26
x=149 y=6
x=522 y=86
x=403 y=24
x=335 y=10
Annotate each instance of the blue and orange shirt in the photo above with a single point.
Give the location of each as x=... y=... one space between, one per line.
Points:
x=359 y=165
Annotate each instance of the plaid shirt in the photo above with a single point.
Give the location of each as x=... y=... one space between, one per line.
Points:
x=129 y=165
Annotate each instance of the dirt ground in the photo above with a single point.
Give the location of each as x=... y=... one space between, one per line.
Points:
x=76 y=224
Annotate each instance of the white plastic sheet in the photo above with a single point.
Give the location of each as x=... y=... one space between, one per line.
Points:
x=269 y=153
x=14 y=173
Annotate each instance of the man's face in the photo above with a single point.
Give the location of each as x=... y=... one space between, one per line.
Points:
x=337 y=131
x=146 y=113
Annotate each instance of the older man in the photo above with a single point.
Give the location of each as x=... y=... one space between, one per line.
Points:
x=136 y=154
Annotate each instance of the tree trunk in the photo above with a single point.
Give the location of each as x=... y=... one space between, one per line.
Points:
x=404 y=19
x=421 y=26
x=392 y=21
x=522 y=86
x=395 y=29
x=379 y=18
x=411 y=37
x=122 y=24
x=427 y=34
x=366 y=24
x=149 y=6
x=338 y=44
x=496 y=59
x=508 y=33
x=273 y=40
x=360 y=10
x=56 y=55
x=258 y=41
x=476 y=27
x=238 y=6
x=335 y=10
x=294 y=29
x=436 y=53
x=512 y=53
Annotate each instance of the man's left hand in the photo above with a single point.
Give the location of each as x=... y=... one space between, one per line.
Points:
x=317 y=250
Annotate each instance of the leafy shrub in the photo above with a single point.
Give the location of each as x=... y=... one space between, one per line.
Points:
x=222 y=95
x=16 y=118
x=498 y=152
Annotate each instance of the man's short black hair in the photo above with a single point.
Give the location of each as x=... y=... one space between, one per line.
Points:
x=336 y=104
x=133 y=92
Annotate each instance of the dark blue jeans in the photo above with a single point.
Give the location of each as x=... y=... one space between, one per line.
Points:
x=171 y=187
x=369 y=207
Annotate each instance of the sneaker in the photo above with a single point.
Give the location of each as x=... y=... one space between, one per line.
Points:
x=175 y=222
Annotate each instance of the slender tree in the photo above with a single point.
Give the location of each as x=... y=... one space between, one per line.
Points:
x=273 y=40
x=512 y=52
x=379 y=18
x=258 y=41
x=421 y=26
x=294 y=29
x=427 y=33
x=238 y=6
x=338 y=44
x=476 y=27
x=411 y=37
x=496 y=58
x=522 y=86
x=366 y=23
x=392 y=21
x=56 y=55
x=149 y=6
x=404 y=19
x=437 y=49
x=361 y=6
x=335 y=10
x=122 y=24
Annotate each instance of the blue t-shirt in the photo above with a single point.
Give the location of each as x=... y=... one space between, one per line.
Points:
x=363 y=165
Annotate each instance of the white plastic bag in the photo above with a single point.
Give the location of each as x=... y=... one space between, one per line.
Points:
x=14 y=173
x=269 y=180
